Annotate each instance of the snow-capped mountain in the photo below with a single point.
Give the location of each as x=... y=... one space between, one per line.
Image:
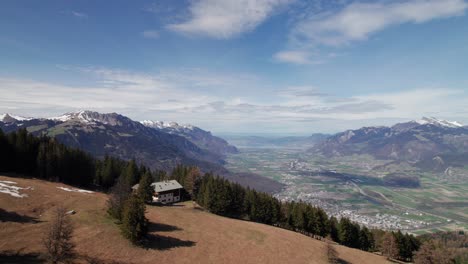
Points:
x=88 y=117
x=421 y=142
x=201 y=138
x=158 y=148
x=12 y=118
x=117 y=135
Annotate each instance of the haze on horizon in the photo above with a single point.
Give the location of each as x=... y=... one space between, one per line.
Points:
x=246 y=67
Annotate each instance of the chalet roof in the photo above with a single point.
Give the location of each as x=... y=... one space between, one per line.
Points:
x=166 y=186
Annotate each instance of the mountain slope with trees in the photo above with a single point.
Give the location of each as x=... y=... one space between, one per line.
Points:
x=118 y=136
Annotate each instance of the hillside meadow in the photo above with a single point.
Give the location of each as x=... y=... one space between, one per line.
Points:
x=182 y=233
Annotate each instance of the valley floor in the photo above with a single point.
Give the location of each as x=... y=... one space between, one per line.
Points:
x=178 y=234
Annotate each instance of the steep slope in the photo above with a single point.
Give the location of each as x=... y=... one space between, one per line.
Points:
x=117 y=135
x=203 y=139
x=178 y=234
x=430 y=143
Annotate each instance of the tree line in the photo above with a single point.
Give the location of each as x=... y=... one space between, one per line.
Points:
x=44 y=157
x=226 y=198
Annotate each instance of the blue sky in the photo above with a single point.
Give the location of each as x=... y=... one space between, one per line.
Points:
x=244 y=66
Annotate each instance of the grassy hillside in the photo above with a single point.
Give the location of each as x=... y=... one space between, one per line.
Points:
x=178 y=234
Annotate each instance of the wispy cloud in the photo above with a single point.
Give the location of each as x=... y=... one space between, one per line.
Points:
x=357 y=21
x=79 y=14
x=294 y=56
x=151 y=34
x=301 y=91
x=226 y=19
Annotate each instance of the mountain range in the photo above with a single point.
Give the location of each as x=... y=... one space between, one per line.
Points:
x=117 y=135
x=429 y=143
x=156 y=144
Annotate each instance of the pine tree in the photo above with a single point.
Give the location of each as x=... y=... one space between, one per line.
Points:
x=333 y=227
x=145 y=190
x=366 y=239
x=349 y=233
x=134 y=223
x=131 y=173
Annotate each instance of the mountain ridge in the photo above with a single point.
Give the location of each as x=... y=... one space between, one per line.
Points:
x=118 y=135
x=417 y=142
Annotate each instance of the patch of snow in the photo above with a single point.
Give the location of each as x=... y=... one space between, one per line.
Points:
x=18 y=118
x=74 y=190
x=438 y=122
x=21 y=118
x=8 y=182
x=79 y=116
x=162 y=125
x=8 y=188
x=89 y=117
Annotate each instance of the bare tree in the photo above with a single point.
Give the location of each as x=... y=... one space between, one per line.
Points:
x=332 y=254
x=434 y=252
x=57 y=239
x=389 y=246
x=118 y=196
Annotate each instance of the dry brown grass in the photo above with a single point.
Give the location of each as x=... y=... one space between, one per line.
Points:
x=179 y=234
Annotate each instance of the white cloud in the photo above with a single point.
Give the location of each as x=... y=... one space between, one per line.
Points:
x=359 y=20
x=151 y=34
x=217 y=102
x=294 y=56
x=225 y=19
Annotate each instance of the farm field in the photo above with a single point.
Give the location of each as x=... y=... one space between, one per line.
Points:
x=353 y=187
x=178 y=234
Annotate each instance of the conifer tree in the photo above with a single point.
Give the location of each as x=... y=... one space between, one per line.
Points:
x=131 y=173
x=134 y=223
x=334 y=232
x=145 y=190
x=366 y=239
x=349 y=233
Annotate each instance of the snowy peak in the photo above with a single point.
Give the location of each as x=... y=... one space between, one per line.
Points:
x=166 y=125
x=88 y=117
x=8 y=118
x=438 y=122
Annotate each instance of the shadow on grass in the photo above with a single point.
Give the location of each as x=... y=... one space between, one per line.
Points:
x=6 y=216
x=9 y=257
x=167 y=205
x=342 y=261
x=94 y=260
x=158 y=227
x=165 y=242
